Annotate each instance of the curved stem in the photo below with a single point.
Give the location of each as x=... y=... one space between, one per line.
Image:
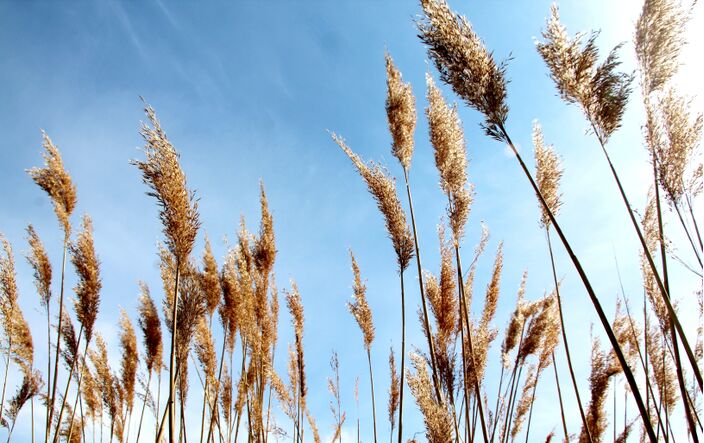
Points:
x=52 y=399
x=426 y=321
x=590 y=291
x=371 y=381
x=403 y=360
x=564 y=336
x=477 y=384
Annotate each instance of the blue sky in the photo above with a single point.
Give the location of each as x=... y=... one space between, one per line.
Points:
x=246 y=91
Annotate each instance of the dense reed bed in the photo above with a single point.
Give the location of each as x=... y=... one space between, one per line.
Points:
x=212 y=329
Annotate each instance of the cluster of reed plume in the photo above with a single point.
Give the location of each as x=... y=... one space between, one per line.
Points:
x=660 y=367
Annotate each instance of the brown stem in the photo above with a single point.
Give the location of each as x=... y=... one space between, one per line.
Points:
x=564 y=336
x=426 y=320
x=172 y=359
x=477 y=385
x=403 y=360
x=52 y=400
x=144 y=404
x=371 y=381
x=592 y=295
x=68 y=383
x=559 y=396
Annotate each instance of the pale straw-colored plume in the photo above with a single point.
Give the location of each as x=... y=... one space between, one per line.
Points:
x=88 y=269
x=394 y=389
x=229 y=309
x=265 y=245
x=551 y=335
x=295 y=308
x=537 y=328
x=438 y=422
x=16 y=335
x=162 y=172
x=105 y=379
x=465 y=64
x=651 y=234
x=681 y=134
x=442 y=294
x=91 y=394
x=447 y=138
x=56 y=182
x=205 y=350
x=604 y=366
x=662 y=370
x=313 y=426
x=130 y=359
x=383 y=189
x=210 y=280
x=401 y=113
x=31 y=385
x=150 y=324
x=658 y=41
x=359 y=308
x=515 y=324
x=600 y=90
x=524 y=401
x=39 y=260
x=548 y=172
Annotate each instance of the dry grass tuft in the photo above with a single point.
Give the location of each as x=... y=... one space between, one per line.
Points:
x=163 y=174
x=401 y=113
x=465 y=64
x=359 y=307
x=88 y=269
x=39 y=260
x=600 y=90
x=383 y=189
x=56 y=182
x=438 y=422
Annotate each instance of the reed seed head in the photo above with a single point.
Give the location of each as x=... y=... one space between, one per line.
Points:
x=210 y=280
x=130 y=359
x=383 y=189
x=600 y=90
x=162 y=172
x=56 y=182
x=658 y=42
x=39 y=260
x=150 y=324
x=438 y=423
x=401 y=113
x=394 y=389
x=88 y=269
x=465 y=64
x=359 y=308
x=548 y=172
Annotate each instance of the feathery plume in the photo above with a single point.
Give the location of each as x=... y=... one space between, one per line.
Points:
x=229 y=309
x=88 y=269
x=295 y=307
x=447 y=138
x=163 y=174
x=681 y=135
x=525 y=401
x=56 y=182
x=39 y=260
x=210 y=280
x=130 y=359
x=31 y=385
x=383 y=188
x=205 y=350
x=465 y=64
x=601 y=91
x=91 y=394
x=394 y=389
x=603 y=368
x=150 y=324
x=401 y=113
x=265 y=246
x=515 y=325
x=658 y=42
x=68 y=335
x=359 y=307
x=548 y=172
x=438 y=423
